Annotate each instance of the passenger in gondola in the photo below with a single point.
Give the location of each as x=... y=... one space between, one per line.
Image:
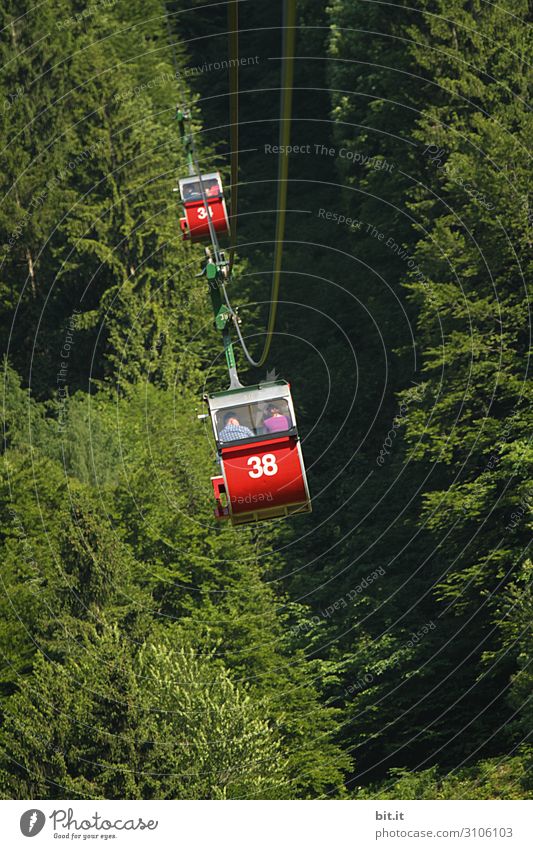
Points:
x=191 y=191
x=233 y=429
x=275 y=420
x=212 y=189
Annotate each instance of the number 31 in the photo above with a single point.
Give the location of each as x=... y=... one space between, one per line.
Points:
x=202 y=214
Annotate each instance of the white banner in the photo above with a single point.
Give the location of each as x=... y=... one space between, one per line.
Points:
x=268 y=825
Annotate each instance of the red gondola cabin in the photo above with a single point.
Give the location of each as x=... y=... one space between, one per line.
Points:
x=194 y=225
x=263 y=473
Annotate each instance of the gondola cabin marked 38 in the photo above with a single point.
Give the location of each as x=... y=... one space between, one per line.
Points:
x=194 y=225
x=263 y=474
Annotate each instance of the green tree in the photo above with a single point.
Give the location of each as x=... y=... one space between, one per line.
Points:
x=158 y=721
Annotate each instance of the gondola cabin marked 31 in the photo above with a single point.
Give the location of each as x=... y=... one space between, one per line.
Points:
x=263 y=473
x=194 y=225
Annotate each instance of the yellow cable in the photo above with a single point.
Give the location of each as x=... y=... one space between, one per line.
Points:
x=233 y=27
x=287 y=77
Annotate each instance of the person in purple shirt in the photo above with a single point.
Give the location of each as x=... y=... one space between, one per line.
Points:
x=275 y=420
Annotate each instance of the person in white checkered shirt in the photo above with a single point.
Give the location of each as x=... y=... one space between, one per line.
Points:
x=233 y=429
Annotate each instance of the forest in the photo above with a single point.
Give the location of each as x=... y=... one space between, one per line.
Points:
x=378 y=647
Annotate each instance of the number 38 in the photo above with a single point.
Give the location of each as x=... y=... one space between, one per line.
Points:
x=265 y=465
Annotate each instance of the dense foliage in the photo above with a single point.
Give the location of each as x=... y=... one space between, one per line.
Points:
x=379 y=648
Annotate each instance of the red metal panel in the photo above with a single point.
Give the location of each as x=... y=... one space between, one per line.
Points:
x=197 y=218
x=264 y=475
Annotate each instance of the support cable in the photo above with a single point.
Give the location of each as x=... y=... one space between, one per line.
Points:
x=193 y=158
x=233 y=35
x=287 y=78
